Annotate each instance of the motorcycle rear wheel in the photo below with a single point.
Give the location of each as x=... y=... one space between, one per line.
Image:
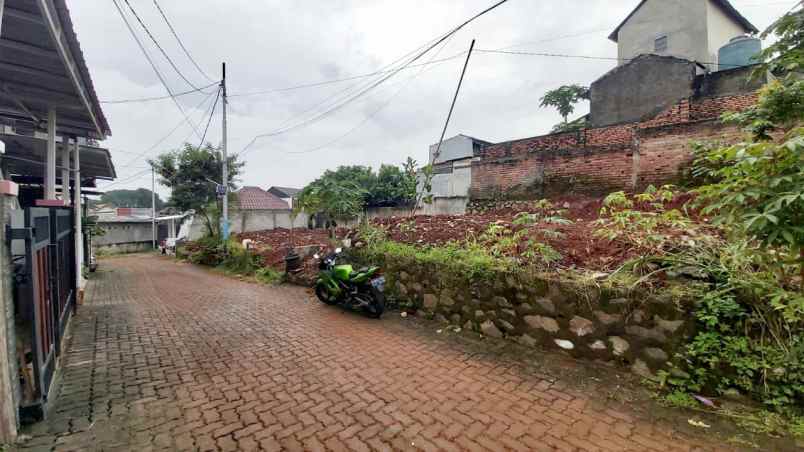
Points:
x=323 y=294
x=377 y=306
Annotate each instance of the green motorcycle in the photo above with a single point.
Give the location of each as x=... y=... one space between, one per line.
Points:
x=341 y=284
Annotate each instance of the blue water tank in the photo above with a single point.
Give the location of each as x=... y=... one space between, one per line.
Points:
x=740 y=51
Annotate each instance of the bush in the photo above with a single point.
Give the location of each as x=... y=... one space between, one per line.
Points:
x=206 y=251
x=268 y=275
x=745 y=338
x=240 y=260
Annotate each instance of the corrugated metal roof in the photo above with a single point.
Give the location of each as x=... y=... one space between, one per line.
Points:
x=284 y=192
x=42 y=67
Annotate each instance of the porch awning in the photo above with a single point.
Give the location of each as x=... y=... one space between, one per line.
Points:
x=42 y=67
x=26 y=155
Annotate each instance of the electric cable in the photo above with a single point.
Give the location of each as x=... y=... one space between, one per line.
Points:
x=373 y=85
x=149 y=99
x=153 y=65
x=158 y=46
x=181 y=44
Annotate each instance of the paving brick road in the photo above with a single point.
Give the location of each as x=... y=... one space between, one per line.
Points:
x=167 y=356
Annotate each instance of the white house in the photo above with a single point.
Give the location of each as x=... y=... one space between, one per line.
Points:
x=690 y=29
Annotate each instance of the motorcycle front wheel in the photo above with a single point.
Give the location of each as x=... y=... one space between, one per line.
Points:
x=323 y=294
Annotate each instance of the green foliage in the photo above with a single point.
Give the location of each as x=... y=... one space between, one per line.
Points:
x=394 y=186
x=544 y=211
x=572 y=126
x=424 y=191
x=760 y=192
x=748 y=326
x=470 y=259
x=679 y=399
x=779 y=108
x=337 y=200
x=345 y=192
x=786 y=54
x=140 y=197
x=231 y=257
x=239 y=260
x=645 y=222
x=190 y=173
x=268 y=275
x=207 y=251
x=564 y=99
x=751 y=313
x=498 y=248
x=91 y=226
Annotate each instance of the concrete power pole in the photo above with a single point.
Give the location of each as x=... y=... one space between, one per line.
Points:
x=225 y=178
x=153 y=207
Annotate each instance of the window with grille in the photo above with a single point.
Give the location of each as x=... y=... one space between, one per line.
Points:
x=660 y=44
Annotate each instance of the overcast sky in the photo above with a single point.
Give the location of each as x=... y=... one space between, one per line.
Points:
x=272 y=44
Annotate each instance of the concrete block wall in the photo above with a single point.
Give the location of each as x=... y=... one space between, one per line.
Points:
x=600 y=160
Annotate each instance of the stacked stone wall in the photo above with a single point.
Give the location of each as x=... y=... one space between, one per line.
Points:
x=584 y=320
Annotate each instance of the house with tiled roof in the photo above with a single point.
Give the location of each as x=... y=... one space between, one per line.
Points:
x=287 y=194
x=256 y=209
x=255 y=198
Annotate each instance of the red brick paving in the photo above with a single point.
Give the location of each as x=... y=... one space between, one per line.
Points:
x=167 y=356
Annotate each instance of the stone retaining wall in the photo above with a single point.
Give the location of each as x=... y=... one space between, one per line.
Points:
x=586 y=321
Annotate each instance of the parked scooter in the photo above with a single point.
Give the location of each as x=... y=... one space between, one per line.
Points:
x=341 y=284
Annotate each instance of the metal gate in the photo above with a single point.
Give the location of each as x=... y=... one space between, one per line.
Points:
x=45 y=287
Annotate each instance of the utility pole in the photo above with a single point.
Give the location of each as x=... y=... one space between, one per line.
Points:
x=225 y=178
x=429 y=178
x=454 y=99
x=153 y=206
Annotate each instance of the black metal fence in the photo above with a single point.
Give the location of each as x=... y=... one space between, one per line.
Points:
x=45 y=291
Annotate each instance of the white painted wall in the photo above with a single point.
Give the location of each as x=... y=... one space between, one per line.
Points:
x=696 y=30
x=683 y=21
x=457 y=147
x=252 y=220
x=721 y=30
x=455 y=184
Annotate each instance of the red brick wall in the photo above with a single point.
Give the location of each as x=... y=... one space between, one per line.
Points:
x=665 y=152
x=603 y=159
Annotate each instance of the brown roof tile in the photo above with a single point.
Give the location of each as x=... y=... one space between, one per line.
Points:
x=255 y=198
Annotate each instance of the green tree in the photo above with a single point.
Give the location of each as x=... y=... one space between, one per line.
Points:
x=336 y=200
x=758 y=185
x=140 y=197
x=786 y=54
x=190 y=173
x=394 y=186
x=564 y=99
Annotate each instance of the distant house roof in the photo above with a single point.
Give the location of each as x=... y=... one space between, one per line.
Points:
x=725 y=5
x=284 y=192
x=476 y=140
x=255 y=198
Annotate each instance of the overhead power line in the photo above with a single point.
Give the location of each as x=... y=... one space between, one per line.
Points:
x=589 y=57
x=380 y=107
x=158 y=46
x=181 y=44
x=209 y=121
x=166 y=136
x=340 y=80
x=375 y=84
x=149 y=99
x=153 y=65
